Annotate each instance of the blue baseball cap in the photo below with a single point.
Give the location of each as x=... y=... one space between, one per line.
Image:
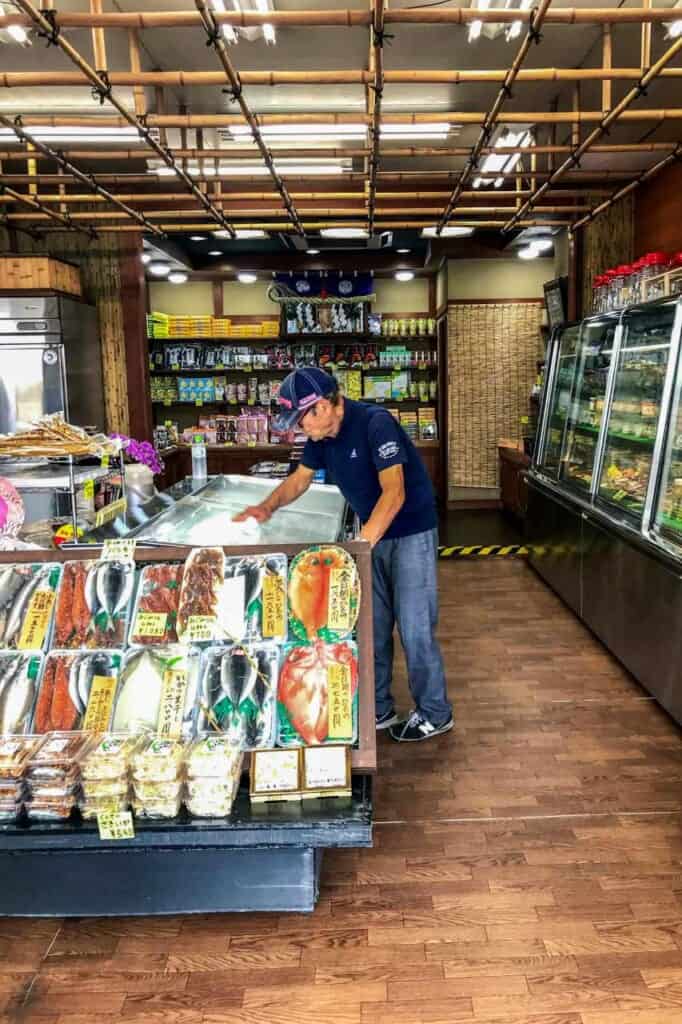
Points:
x=299 y=392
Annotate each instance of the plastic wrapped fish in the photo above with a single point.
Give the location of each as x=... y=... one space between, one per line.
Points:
x=19 y=673
x=238 y=693
x=156 y=609
x=200 y=593
x=157 y=691
x=258 y=584
x=318 y=694
x=24 y=588
x=93 y=604
x=324 y=593
x=66 y=685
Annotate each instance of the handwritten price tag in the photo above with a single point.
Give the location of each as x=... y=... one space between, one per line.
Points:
x=118 y=549
x=340 y=702
x=109 y=512
x=98 y=711
x=115 y=825
x=37 y=620
x=172 y=705
x=339 y=598
x=150 y=623
x=200 y=628
x=274 y=622
x=89 y=489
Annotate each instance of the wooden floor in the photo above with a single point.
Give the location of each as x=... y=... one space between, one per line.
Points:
x=527 y=867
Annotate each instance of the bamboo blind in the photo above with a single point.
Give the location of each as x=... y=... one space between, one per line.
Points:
x=493 y=349
x=101 y=280
x=608 y=241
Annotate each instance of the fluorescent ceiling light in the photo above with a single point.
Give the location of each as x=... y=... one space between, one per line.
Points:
x=268 y=30
x=163 y=171
x=247 y=278
x=476 y=27
x=404 y=275
x=496 y=162
x=343 y=233
x=221 y=233
x=514 y=30
x=146 y=258
x=541 y=244
x=18 y=33
x=47 y=134
x=305 y=131
x=177 y=277
x=246 y=233
x=675 y=29
x=215 y=252
x=447 y=232
x=313 y=252
x=403 y=252
x=227 y=30
x=528 y=254
x=245 y=169
x=159 y=269
x=197 y=238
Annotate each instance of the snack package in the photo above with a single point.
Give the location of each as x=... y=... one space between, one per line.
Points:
x=158 y=760
x=19 y=676
x=109 y=758
x=155 y=613
x=77 y=691
x=238 y=693
x=93 y=603
x=157 y=691
x=324 y=593
x=212 y=756
x=27 y=595
x=317 y=695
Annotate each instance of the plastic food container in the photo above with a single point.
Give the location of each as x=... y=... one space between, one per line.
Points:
x=152 y=792
x=15 y=753
x=110 y=757
x=77 y=687
x=157 y=691
x=27 y=595
x=19 y=676
x=317 y=696
x=105 y=789
x=213 y=757
x=155 y=610
x=324 y=593
x=158 y=760
x=238 y=693
x=90 y=808
x=93 y=604
x=157 y=809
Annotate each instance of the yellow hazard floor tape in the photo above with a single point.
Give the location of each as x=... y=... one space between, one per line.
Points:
x=482 y=550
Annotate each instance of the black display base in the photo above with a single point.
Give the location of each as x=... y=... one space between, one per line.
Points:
x=265 y=857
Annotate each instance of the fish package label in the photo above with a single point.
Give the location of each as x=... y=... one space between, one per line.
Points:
x=118 y=549
x=26 y=605
x=172 y=705
x=239 y=693
x=317 y=696
x=100 y=703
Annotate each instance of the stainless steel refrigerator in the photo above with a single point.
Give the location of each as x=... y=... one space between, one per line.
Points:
x=50 y=361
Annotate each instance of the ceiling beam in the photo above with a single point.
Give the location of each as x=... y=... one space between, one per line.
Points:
x=40 y=212
x=377 y=33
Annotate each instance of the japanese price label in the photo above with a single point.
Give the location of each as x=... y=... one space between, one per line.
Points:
x=118 y=549
x=115 y=825
x=98 y=711
x=200 y=627
x=150 y=623
x=172 y=705
x=340 y=584
x=37 y=620
x=109 y=512
x=105 y=462
x=274 y=623
x=89 y=490
x=340 y=702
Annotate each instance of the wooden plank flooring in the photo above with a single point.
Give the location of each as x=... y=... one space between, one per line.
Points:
x=527 y=867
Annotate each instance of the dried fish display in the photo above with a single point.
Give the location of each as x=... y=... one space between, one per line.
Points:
x=158 y=691
x=318 y=694
x=157 y=768
x=213 y=768
x=156 y=609
x=200 y=592
x=93 y=604
x=239 y=687
x=52 y=777
x=253 y=599
x=68 y=683
x=15 y=752
x=51 y=436
x=324 y=594
x=26 y=604
x=19 y=674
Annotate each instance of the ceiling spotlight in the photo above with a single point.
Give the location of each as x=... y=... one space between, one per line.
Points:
x=221 y=233
x=146 y=258
x=403 y=252
x=247 y=278
x=343 y=233
x=404 y=275
x=215 y=252
x=313 y=252
x=448 y=232
x=529 y=253
x=197 y=238
x=541 y=244
x=18 y=33
x=177 y=277
x=159 y=269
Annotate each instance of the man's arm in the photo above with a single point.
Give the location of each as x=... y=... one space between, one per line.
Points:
x=391 y=500
x=289 y=490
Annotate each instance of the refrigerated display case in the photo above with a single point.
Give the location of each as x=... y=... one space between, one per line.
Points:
x=605 y=509
x=560 y=384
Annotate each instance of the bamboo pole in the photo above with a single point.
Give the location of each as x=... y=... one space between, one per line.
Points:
x=575 y=123
x=105 y=93
x=615 y=114
x=377 y=36
x=75 y=172
x=484 y=138
x=185 y=79
x=98 y=43
x=349 y=18
x=135 y=69
x=216 y=40
x=606 y=59
x=286 y=226
x=42 y=212
x=645 y=55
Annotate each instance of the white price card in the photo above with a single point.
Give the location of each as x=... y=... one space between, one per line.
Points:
x=115 y=825
x=118 y=549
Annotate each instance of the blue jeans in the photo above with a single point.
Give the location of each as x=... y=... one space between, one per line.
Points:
x=405 y=591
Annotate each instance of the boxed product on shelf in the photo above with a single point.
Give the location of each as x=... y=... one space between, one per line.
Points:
x=377 y=387
x=27 y=593
x=52 y=777
x=400 y=383
x=220 y=327
x=408 y=421
x=93 y=602
x=157 y=691
x=158 y=777
x=428 y=426
x=213 y=768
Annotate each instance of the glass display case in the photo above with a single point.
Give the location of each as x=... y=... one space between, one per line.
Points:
x=636 y=405
x=588 y=401
x=566 y=343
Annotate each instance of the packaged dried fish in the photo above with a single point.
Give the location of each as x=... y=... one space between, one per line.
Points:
x=50 y=810
x=158 y=759
x=324 y=593
x=200 y=593
x=93 y=604
x=15 y=752
x=27 y=595
x=19 y=673
x=59 y=752
x=157 y=691
x=109 y=758
x=77 y=691
x=252 y=604
x=318 y=694
x=154 y=619
x=212 y=756
x=238 y=693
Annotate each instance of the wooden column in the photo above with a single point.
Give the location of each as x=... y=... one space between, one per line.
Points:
x=134 y=303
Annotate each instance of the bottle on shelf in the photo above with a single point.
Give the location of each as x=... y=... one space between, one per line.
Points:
x=199 y=469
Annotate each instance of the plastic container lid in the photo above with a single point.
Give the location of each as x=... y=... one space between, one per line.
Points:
x=656 y=259
x=676 y=260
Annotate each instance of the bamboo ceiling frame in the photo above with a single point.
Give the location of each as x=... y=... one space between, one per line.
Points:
x=49 y=28
x=377 y=35
x=65 y=220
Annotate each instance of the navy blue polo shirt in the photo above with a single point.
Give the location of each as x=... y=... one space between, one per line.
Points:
x=369 y=441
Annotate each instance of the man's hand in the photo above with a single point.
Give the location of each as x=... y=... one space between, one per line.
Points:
x=258 y=512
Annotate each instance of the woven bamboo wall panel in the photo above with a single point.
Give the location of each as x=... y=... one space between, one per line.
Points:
x=608 y=241
x=493 y=349
x=98 y=260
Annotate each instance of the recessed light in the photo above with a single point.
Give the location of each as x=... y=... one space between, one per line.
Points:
x=247 y=278
x=528 y=254
x=159 y=269
x=146 y=258
x=448 y=232
x=177 y=277
x=541 y=244
x=215 y=252
x=343 y=233
x=221 y=233
x=403 y=252
x=197 y=238
x=313 y=252
x=246 y=233
x=404 y=275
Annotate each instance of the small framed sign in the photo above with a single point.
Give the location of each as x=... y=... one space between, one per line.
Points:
x=326 y=771
x=276 y=775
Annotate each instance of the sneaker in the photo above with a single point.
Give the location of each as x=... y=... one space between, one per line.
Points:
x=386 y=720
x=417 y=728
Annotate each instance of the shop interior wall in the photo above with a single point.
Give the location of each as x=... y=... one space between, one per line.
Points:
x=99 y=262
x=606 y=242
x=401 y=296
x=495 y=339
x=658 y=213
